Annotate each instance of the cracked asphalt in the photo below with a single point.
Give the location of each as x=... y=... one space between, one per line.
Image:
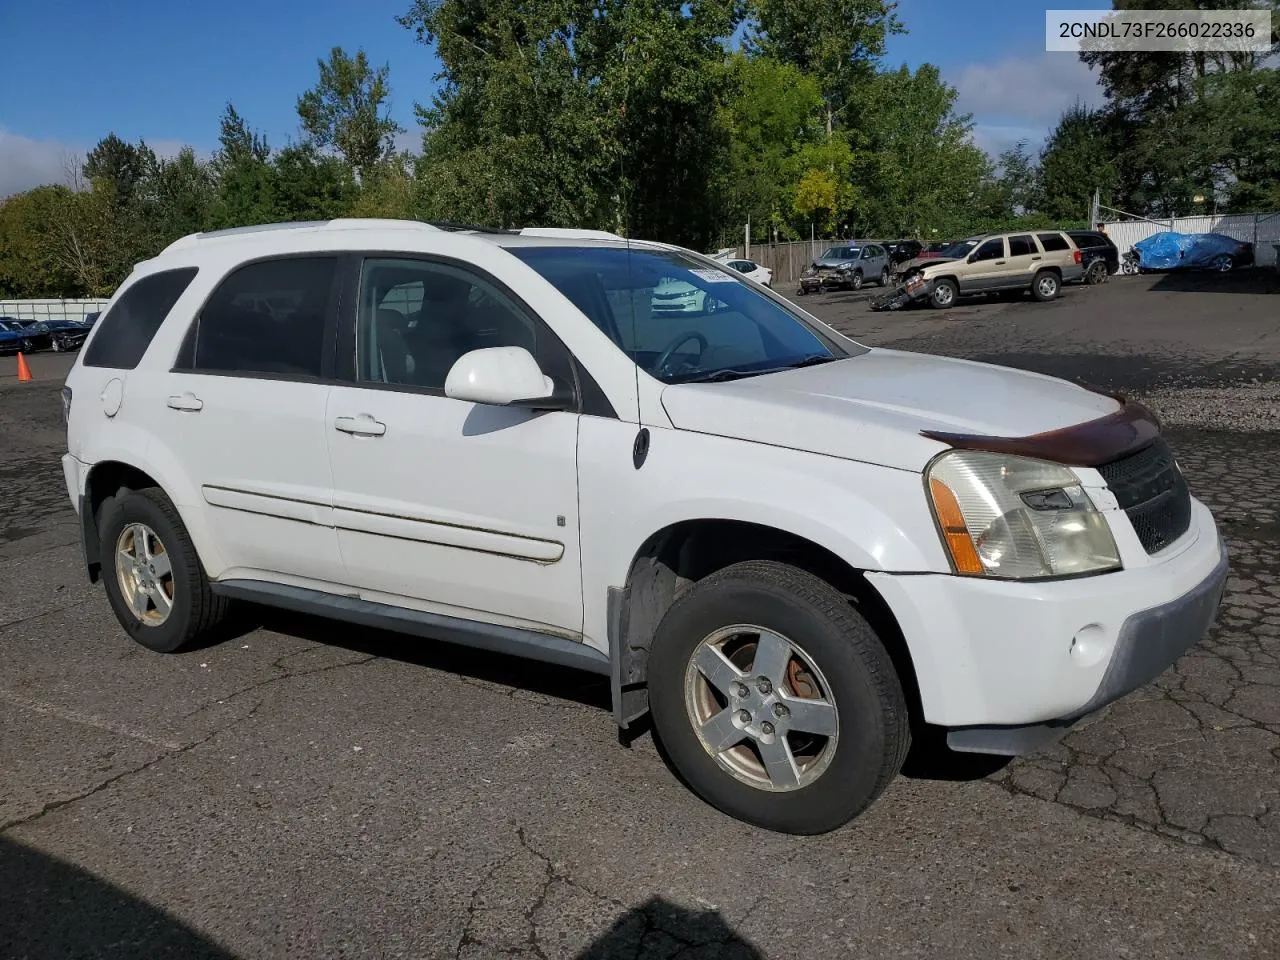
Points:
x=317 y=790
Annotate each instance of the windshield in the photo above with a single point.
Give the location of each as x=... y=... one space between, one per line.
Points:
x=679 y=318
x=840 y=253
x=962 y=248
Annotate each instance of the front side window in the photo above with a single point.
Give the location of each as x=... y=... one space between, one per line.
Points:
x=266 y=318
x=416 y=318
x=132 y=322
x=679 y=318
x=993 y=249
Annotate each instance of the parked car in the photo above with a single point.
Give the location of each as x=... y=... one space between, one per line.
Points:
x=14 y=337
x=1193 y=251
x=846 y=267
x=936 y=249
x=37 y=332
x=787 y=549
x=752 y=271
x=91 y=318
x=67 y=334
x=1099 y=256
x=1039 y=262
x=900 y=251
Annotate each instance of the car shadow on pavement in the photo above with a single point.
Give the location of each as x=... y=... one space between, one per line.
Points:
x=563 y=683
x=1255 y=281
x=52 y=909
x=659 y=928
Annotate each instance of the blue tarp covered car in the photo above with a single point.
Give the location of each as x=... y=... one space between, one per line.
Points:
x=1200 y=251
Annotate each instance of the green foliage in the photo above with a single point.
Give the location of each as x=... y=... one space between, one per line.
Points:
x=640 y=116
x=346 y=110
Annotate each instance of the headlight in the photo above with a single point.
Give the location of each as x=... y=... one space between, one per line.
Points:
x=1016 y=518
x=809 y=271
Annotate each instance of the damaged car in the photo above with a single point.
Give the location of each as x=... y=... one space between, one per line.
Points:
x=1040 y=262
x=846 y=268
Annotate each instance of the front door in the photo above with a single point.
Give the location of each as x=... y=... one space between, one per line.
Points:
x=469 y=508
x=985 y=270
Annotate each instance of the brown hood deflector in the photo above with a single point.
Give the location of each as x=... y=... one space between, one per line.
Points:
x=1090 y=444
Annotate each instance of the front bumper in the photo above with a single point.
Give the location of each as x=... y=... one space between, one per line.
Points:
x=1009 y=666
x=832 y=278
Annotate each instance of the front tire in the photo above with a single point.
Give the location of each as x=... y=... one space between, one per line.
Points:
x=884 y=277
x=855 y=283
x=944 y=294
x=775 y=700
x=155 y=583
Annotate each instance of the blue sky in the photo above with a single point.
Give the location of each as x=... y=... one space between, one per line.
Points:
x=75 y=70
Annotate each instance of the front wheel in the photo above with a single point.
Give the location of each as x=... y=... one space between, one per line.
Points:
x=944 y=294
x=26 y=345
x=153 y=577
x=775 y=700
x=856 y=282
x=1045 y=286
x=884 y=277
x=1223 y=263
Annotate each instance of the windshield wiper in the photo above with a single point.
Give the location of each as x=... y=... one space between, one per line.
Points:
x=718 y=376
x=804 y=362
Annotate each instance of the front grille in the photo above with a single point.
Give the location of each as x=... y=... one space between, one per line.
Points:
x=1153 y=493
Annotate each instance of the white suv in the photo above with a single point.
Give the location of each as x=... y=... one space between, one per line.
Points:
x=790 y=550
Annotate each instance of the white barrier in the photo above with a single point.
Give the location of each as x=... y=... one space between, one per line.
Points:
x=50 y=309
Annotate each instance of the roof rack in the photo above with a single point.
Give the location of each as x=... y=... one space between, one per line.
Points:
x=456 y=227
x=338 y=223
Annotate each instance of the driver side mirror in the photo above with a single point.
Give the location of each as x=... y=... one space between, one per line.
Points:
x=504 y=377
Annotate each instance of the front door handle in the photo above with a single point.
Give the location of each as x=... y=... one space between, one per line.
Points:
x=1001 y=262
x=361 y=426
x=187 y=401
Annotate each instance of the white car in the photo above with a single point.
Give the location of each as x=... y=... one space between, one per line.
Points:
x=752 y=271
x=793 y=551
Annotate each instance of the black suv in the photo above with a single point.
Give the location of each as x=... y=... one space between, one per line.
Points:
x=1095 y=246
x=900 y=251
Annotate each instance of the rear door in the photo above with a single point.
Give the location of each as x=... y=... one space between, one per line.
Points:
x=243 y=411
x=1025 y=258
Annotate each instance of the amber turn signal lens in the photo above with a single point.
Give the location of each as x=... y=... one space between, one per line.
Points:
x=954 y=531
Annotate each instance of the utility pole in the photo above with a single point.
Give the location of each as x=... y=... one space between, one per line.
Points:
x=746 y=238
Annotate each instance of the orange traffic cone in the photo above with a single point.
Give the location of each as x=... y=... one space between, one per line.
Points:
x=24 y=372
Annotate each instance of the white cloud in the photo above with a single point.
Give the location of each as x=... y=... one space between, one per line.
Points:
x=408 y=141
x=27 y=163
x=1021 y=97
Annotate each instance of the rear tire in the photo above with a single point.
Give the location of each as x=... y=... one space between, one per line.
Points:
x=829 y=671
x=1045 y=286
x=138 y=529
x=1096 y=273
x=884 y=277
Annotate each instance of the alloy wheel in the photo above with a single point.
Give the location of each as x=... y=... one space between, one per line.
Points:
x=145 y=574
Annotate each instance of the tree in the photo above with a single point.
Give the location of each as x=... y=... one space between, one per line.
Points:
x=119 y=164
x=31 y=261
x=1078 y=157
x=246 y=182
x=346 y=110
x=307 y=185
x=837 y=42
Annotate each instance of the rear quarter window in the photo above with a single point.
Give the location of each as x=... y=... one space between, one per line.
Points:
x=1053 y=241
x=122 y=336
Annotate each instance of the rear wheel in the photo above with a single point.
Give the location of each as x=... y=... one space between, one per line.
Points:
x=1045 y=286
x=1096 y=273
x=774 y=699
x=884 y=277
x=153 y=577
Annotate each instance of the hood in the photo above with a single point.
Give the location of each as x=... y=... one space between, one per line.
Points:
x=832 y=262
x=915 y=262
x=872 y=407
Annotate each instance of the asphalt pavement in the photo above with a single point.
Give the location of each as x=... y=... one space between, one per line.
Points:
x=319 y=790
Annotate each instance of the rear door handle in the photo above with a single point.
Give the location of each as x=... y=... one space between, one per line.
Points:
x=361 y=426
x=187 y=401
x=1035 y=258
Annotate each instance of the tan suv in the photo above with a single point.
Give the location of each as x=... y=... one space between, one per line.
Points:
x=1040 y=262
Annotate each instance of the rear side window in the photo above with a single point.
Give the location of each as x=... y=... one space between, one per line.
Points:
x=130 y=325
x=1053 y=241
x=1021 y=246
x=266 y=318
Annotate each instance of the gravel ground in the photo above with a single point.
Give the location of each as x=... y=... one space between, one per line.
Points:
x=314 y=790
